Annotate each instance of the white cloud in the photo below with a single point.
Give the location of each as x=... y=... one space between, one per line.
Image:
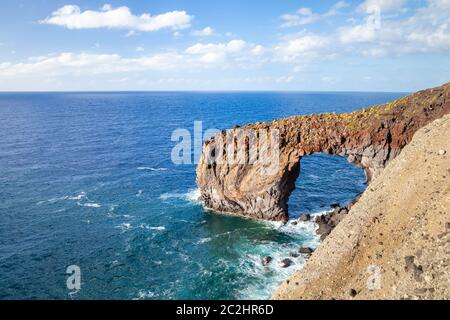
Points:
x=258 y=50
x=375 y=52
x=130 y=34
x=358 y=33
x=71 y=17
x=335 y=9
x=303 y=46
x=88 y=64
x=236 y=46
x=328 y=79
x=426 y=30
x=232 y=54
x=298 y=69
x=422 y=30
x=284 y=79
x=382 y=5
x=217 y=52
x=208 y=31
x=303 y=16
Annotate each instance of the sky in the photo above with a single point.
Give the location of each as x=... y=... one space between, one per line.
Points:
x=211 y=45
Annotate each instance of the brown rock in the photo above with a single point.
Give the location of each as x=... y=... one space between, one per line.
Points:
x=335 y=206
x=370 y=138
x=285 y=263
x=305 y=250
x=305 y=217
x=266 y=260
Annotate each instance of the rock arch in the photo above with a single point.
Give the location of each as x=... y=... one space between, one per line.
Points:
x=370 y=138
x=325 y=181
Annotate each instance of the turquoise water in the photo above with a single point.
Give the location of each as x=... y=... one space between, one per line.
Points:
x=86 y=179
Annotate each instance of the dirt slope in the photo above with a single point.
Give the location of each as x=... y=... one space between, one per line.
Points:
x=400 y=230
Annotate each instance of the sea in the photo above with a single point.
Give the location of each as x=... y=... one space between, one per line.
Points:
x=92 y=205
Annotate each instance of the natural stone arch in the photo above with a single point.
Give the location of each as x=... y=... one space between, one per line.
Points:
x=325 y=181
x=370 y=138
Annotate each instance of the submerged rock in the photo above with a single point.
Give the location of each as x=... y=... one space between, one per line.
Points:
x=304 y=250
x=266 y=260
x=285 y=263
x=329 y=221
x=335 y=205
x=305 y=217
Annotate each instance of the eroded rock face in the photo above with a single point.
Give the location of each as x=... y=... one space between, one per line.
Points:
x=370 y=138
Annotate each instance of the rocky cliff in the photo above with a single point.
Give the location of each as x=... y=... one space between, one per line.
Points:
x=394 y=242
x=370 y=138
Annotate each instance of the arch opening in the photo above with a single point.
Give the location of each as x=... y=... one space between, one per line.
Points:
x=325 y=180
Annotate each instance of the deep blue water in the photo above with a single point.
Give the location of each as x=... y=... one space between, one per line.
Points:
x=86 y=179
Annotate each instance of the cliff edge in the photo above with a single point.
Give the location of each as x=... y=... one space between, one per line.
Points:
x=394 y=243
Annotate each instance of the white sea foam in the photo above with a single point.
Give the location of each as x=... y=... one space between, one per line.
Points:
x=302 y=228
x=53 y=200
x=204 y=240
x=146 y=226
x=271 y=276
x=124 y=226
x=80 y=196
x=142 y=295
x=192 y=195
x=152 y=169
x=89 y=205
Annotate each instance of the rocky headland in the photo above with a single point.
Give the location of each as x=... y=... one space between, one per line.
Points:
x=389 y=243
x=394 y=243
x=369 y=138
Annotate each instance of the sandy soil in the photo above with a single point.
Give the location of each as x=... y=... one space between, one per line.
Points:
x=395 y=242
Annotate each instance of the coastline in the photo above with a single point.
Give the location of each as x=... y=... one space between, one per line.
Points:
x=379 y=140
x=399 y=228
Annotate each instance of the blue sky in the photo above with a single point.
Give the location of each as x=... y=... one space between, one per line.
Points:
x=365 y=45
